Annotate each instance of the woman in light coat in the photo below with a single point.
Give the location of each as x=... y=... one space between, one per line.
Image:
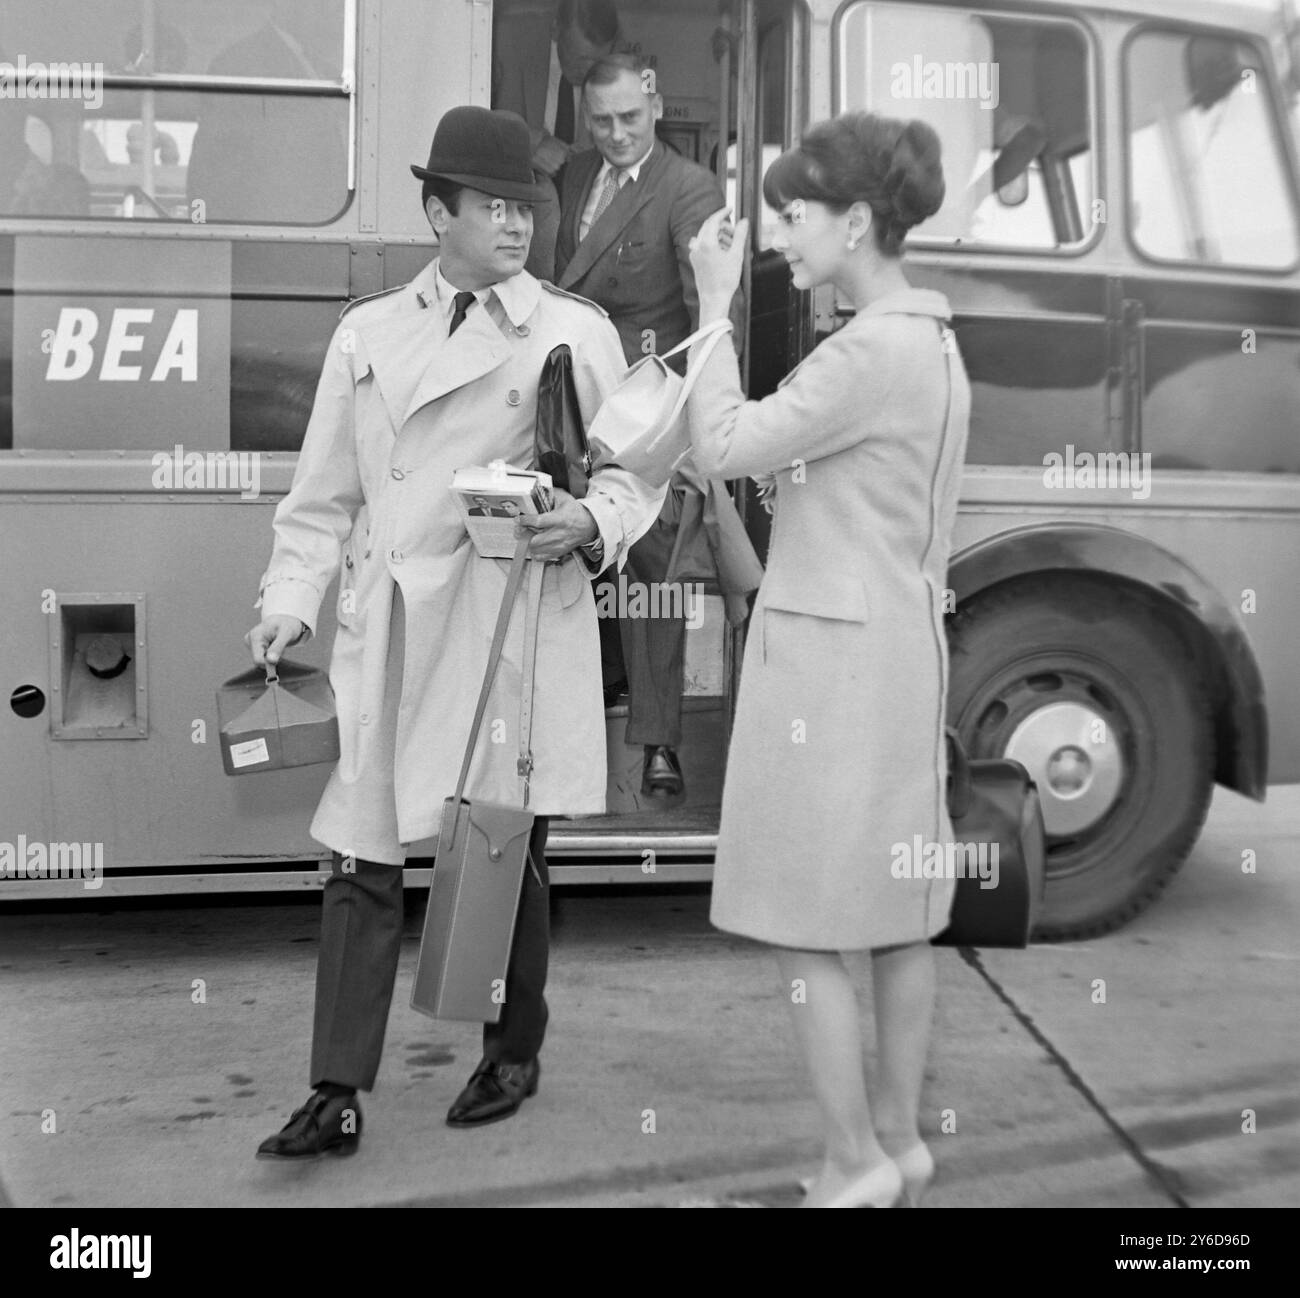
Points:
x=837 y=766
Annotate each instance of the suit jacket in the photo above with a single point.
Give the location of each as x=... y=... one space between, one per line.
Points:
x=635 y=261
x=400 y=407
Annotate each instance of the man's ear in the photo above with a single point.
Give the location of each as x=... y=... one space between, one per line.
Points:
x=436 y=210
x=656 y=106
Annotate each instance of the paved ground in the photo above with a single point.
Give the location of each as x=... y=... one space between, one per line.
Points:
x=659 y=1020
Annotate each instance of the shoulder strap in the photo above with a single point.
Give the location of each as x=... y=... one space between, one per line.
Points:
x=532 y=609
x=712 y=334
x=494 y=655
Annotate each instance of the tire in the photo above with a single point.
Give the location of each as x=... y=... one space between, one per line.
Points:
x=1036 y=665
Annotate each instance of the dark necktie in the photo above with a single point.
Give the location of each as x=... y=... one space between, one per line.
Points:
x=564 y=111
x=463 y=303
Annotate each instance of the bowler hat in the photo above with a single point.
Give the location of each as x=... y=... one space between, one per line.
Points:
x=486 y=149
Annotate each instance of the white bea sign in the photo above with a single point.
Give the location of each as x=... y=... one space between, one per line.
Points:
x=72 y=346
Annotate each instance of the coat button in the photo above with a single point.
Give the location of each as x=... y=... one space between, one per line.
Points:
x=395 y=555
x=365 y=718
x=495 y=853
x=522 y=330
x=513 y=398
x=612 y=281
x=398 y=474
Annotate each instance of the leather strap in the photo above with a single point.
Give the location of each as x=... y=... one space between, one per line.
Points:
x=494 y=655
x=531 y=610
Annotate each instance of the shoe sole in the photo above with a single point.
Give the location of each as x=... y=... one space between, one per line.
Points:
x=344 y=1149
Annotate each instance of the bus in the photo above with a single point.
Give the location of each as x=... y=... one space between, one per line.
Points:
x=190 y=194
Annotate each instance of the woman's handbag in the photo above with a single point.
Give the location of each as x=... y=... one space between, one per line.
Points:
x=997 y=828
x=482 y=853
x=560 y=440
x=640 y=426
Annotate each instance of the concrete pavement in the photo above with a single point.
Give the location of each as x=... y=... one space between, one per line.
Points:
x=162 y=1042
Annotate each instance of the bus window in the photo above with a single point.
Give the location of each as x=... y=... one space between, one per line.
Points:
x=1010 y=100
x=1207 y=181
x=180 y=112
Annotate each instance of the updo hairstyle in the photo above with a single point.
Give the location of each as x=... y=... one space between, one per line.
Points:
x=887 y=163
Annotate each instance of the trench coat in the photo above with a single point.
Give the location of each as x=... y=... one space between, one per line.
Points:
x=837 y=756
x=399 y=408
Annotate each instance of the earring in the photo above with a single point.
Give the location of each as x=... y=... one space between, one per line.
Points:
x=852 y=244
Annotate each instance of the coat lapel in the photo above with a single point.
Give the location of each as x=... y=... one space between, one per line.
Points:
x=414 y=362
x=630 y=200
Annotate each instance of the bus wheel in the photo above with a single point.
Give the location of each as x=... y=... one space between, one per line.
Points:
x=1080 y=681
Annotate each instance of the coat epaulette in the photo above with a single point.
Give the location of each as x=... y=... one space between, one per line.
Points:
x=573 y=297
x=369 y=297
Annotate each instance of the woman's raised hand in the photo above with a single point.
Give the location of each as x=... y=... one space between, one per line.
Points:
x=718 y=257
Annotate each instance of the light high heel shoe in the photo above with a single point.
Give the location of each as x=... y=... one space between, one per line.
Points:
x=917 y=1168
x=881 y=1187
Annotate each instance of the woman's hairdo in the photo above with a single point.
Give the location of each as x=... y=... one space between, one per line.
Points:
x=892 y=165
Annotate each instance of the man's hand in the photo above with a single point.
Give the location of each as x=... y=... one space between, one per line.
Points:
x=272 y=636
x=550 y=155
x=559 y=532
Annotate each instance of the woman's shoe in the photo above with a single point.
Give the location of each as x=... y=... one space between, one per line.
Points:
x=881 y=1187
x=917 y=1168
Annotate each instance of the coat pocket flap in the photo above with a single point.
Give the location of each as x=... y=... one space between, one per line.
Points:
x=504 y=830
x=827 y=594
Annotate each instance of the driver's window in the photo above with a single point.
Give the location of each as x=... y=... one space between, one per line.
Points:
x=1010 y=100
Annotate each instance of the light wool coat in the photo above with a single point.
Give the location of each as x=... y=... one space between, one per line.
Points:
x=399 y=408
x=837 y=756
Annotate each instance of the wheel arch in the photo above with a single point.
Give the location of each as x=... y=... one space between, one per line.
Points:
x=1176 y=591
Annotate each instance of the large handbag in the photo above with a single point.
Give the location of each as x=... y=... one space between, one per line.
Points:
x=640 y=426
x=997 y=822
x=469 y=925
x=559 y=438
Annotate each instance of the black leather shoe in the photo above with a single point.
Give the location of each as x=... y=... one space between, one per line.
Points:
x=661 y=773
x=317 y=1128
x=615 y=692
x=495 y=1091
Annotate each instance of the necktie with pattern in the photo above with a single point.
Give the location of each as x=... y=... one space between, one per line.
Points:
x=463 y=302
x=613 y=182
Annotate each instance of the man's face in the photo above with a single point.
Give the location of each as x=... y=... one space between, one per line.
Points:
x=485 y=242
x=622 y=118
x=576 y=54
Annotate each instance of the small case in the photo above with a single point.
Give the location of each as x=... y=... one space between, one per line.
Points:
x=282 y=717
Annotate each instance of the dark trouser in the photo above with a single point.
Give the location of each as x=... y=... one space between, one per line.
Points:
x=653 y=648
x=361 y=941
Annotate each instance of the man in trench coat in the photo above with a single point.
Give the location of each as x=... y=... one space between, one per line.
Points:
x=423 y=380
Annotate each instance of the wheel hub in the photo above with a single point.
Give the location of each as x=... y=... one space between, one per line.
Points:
x=1072 y=755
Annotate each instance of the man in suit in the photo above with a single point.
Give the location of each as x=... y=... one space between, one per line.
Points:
x=542 y=52
x=628 y=210
x=420 y=381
